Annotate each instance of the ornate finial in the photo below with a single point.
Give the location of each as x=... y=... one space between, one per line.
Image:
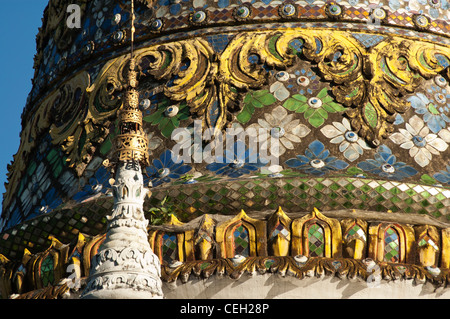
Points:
x=131 y=144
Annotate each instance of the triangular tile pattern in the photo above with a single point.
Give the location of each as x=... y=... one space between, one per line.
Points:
x=368 y=40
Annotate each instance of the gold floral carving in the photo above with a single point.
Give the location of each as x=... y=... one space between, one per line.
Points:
x=371 y=82
x=63 y=113
x=77 y=116
x=312 y=267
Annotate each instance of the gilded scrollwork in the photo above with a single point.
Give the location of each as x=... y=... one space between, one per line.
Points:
x=310 y=267
x=190 y=68
x=63 y=113
x=370 y=82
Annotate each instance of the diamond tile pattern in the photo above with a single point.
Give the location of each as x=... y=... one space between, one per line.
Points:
x=391 y=245
x=316 y=243
x=241 y=241
x=356 y=231
x=169 y=247
x=47 y=271
x=280 y=229
x=304 y=194
x=368 y=40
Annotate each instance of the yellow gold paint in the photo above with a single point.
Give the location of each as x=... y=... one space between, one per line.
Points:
x=332 y=234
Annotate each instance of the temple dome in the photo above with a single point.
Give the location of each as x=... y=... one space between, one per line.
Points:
x=343 y=107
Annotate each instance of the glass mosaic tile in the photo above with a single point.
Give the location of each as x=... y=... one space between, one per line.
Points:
x=47 y=271
x=36 y=197
x=316 y=243
x=280 y=229
x=169 y=247
x=305 y=193
x=391 y=245
x=241 y=241
x=356 y=230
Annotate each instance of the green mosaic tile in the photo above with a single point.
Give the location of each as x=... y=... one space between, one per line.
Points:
x=196 y=195
x=439 y=205
x=425 y=203
x=411 y=192
x=47 y=271
x=316 y=243
x=303 y=186
x=440 y=196
x=436 y=214
x=243 y=190
x=395 y=199
x=228 y=197
x=350 y=187
x=319 y=186
x=425 y=194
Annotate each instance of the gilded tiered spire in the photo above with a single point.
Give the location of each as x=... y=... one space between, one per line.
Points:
x=131 y=144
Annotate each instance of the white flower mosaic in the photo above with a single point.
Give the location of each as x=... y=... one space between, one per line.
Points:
x=417 y=139
x=278 y=88
x=350 y=144
x=283 y=127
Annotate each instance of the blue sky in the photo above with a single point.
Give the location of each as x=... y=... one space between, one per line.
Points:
x=19 y=21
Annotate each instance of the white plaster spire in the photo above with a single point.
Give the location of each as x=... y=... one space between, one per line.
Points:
x=125 y=266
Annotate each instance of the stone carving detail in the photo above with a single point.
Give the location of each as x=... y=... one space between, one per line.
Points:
x=125 y=266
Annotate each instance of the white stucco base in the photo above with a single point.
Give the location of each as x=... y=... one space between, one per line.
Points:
x=273 y=286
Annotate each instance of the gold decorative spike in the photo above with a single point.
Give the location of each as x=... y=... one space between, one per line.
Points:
x=256 y=231
x=6 y=277
x=3 y=259
x=355 y=242
x=332 y=234
x=204 y=239
x=445 y=257
x=174 y=221
x=185 y=240
x=279 y=243
x=377 y=242
x=90 y=250
x=427 y=240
